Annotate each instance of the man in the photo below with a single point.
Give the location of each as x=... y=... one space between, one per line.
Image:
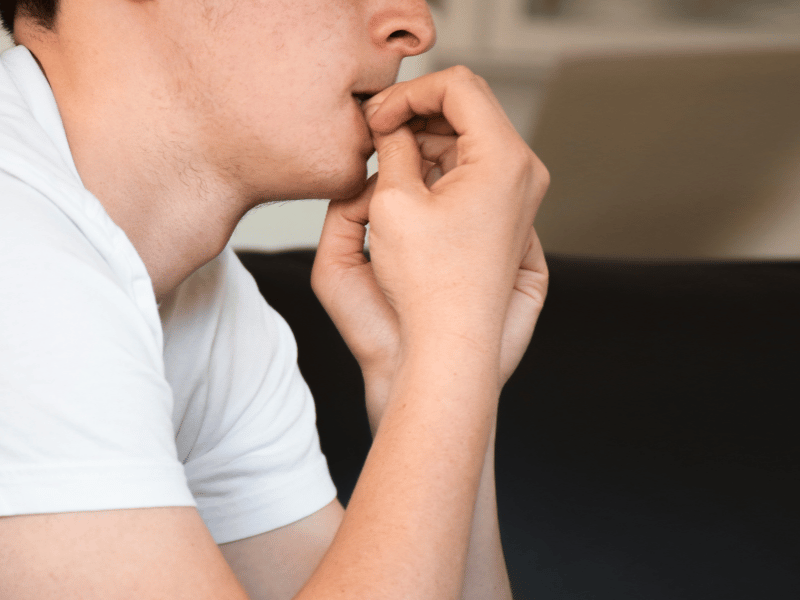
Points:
x=156 y=440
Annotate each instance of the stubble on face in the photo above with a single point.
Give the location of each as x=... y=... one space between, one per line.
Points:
x=268 y=83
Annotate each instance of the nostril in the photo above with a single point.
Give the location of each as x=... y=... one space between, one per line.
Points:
x=406 y=37
x=408 y=31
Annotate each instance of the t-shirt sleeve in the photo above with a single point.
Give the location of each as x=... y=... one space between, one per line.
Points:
x=85 y=409
x=245 y=418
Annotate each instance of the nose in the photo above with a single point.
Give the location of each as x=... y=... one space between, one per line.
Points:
x=404 y=26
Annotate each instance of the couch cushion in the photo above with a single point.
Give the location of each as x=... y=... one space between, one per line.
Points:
x=646 y=445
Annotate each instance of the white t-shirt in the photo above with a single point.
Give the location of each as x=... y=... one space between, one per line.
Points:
x=110 y=401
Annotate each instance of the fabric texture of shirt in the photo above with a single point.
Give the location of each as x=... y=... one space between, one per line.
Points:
x=108 y=401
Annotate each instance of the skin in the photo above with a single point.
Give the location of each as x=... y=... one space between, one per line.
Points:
x=160 y=141
x=222 y=106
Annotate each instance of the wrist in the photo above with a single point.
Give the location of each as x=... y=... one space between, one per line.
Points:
x=445 y=326
x=455 y=348
x=377 y=386
x=440 y=367
x=436 y=355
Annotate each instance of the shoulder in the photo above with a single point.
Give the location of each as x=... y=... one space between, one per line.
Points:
x=76 y=310
x=222 y=301
x=225 y=349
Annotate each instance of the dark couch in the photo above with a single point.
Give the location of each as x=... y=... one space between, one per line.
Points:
x=647 y=444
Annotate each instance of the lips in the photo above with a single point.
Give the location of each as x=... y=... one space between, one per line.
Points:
x=362 y=97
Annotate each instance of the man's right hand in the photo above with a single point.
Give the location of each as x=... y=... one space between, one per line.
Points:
x=453 y=257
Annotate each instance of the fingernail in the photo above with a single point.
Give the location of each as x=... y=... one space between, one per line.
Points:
x=371 y=110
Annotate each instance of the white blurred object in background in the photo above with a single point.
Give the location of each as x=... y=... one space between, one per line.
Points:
x=5 y=40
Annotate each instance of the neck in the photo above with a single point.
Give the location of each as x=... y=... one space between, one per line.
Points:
x=139 y=150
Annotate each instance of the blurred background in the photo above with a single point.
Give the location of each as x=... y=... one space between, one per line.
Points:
x=671 y=128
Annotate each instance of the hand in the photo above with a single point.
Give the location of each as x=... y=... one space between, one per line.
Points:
x=450 y=256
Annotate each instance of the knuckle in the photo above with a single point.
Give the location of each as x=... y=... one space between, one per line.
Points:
x=520 y=158
x=482 y=83
x=461 y=73
x=523 y=163
x=538 y=171
x=541 y=172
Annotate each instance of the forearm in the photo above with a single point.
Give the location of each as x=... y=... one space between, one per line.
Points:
x=486 y=576
x=407 y=527
x=454 y=266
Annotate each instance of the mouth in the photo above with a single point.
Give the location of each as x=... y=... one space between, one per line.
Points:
x=361 y=97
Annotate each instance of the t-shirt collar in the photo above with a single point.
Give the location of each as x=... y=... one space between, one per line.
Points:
x=37 y=94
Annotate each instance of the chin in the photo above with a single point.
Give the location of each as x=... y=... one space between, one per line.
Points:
x=344 y=183
x=332 y=179
x=353 y=188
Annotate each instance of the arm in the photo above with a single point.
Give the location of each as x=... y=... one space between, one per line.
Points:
x=347 y=287
x=276 y=564
x=447 y=261
x=416 y=492
x=485 y=575
x=145 y=553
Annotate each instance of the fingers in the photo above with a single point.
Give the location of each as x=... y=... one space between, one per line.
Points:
x=439 y=149
x=399 y=160
x=401 y=166
x=530 y=289
x=437 y=125
x=533 y=262
x=344 y=230
x=525 y=305
x=431 y=173
x=464 y=99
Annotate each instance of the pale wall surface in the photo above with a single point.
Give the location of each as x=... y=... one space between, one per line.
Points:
x=612 y=193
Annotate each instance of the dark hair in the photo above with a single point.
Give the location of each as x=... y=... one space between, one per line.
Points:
x=41 y=11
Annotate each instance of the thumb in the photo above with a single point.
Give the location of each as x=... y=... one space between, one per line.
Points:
x=399 y=159
x=341 y=243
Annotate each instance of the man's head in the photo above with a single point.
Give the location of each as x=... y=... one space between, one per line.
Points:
x=267 y=90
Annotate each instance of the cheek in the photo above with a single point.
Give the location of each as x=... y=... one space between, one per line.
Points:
x=332 y=126
x=307 y=136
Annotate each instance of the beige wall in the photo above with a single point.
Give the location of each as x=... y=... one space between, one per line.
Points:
x=673 y=155
x=722 y=180
x=5 y=40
